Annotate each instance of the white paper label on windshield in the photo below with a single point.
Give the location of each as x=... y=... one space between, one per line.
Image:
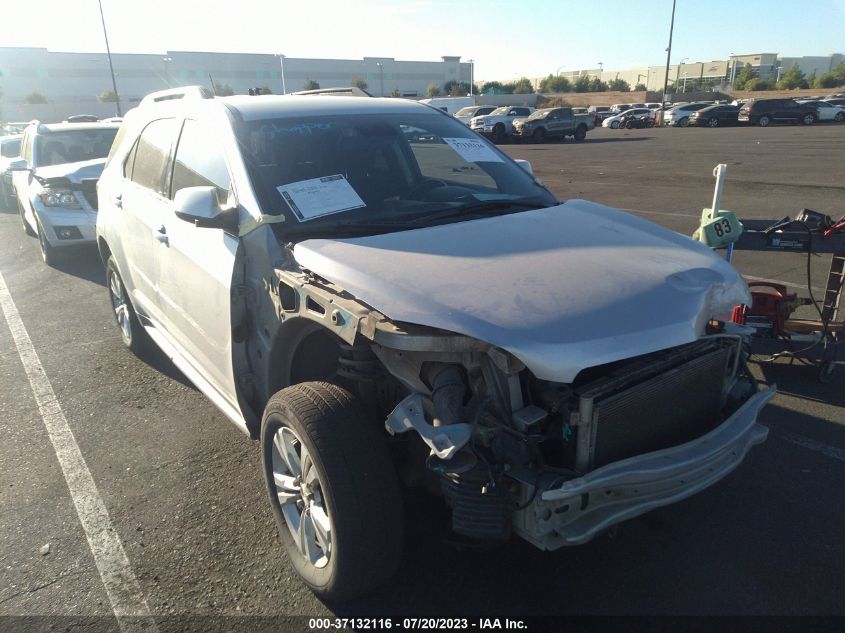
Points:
x=473 y=150
x=309 y=199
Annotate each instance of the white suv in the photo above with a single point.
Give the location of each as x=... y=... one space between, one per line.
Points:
x=381 y=296
x=55 y=183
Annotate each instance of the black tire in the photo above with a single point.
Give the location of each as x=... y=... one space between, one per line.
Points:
x=498 y=135
x=26 y=227
x=684 y=122
x=539 y=135
x=713 y=122
x=134 y=335
x=808 y=119
x=840 y=116
x=49 y=254
x=764 y=121
x=580 y=133
x=358 y=485
x=614 y=125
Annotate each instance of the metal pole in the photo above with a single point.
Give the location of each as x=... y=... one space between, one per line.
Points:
x=111 y=67
x=381 y=76
x=668 y=57
x=282 y=59
x=471 y=77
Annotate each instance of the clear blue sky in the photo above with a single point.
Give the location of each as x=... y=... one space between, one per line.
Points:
x=507 y=38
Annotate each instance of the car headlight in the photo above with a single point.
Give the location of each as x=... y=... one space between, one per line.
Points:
x=59 y=198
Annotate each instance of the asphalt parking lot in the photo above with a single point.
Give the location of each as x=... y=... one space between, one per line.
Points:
x=185 y=495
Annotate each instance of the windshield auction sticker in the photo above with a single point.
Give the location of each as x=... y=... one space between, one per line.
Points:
x=473 y=150
x=314 y=198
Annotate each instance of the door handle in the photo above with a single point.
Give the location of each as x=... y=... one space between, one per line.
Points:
x=161 y=235
x=117 y=201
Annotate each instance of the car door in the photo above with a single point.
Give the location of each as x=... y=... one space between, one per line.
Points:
x=142 y=202
x=196 y=264
x=565 y=121
x=21 y=179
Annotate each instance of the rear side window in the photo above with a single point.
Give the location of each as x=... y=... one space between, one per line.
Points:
x=149 y=158
x=199 y=162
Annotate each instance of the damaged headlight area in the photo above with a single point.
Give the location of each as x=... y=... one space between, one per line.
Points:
x=59 y=198
x=558 y=463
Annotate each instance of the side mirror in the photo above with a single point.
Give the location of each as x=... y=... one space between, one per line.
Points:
x=18 y=165
x=525 y=165
x=199 y=206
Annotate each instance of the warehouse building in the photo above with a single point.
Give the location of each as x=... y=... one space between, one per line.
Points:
x=75 y=83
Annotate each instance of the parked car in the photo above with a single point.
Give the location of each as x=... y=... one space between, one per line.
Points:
x=10 y=149
x=620 y=107
x=715 y=116
x=498 y=125
x=450 y=105
x=549 y=369
x=613 y=121
x=835 y=101
x=553 y=123
x=763 y=112
x=600 y=113
x=465 y=115
x=679 y=116
x=55 y=183
x=826 y=111
x=653 y=106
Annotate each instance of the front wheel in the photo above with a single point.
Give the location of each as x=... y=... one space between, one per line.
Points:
x=134 y=335
x=808 y=119
x=48 y=252
x=26 y=227
x=764 y=121
x=840 y=116
x=539 y=135
x=684 y=122
x=333 y=489
x=580 y=133
x=714 y=122
x=614 y=125
x=498 y=134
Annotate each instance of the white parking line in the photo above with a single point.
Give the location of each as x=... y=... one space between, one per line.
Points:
x=813 y=445
x=124 y=592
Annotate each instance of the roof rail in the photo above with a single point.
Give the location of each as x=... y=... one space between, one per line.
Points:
x=346 y=91
x=184 y=92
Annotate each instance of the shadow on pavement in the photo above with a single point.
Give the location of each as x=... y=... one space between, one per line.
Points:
x=84 y=263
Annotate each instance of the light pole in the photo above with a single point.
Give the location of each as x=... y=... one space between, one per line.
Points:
x=685 y=83
x=601 y=69
x=166 y=61
x=111 y=67
x=471 y=77
x=381 y=77
x=678 y=71
x=282 y=61
x=668 y=57
x=559 y=69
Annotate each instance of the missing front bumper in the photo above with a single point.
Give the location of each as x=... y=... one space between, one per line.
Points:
x=576 y=511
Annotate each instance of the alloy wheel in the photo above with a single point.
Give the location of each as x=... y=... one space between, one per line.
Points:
x=120 y=305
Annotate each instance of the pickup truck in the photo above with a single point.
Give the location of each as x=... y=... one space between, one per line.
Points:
x=553 y=122
x=498 y=125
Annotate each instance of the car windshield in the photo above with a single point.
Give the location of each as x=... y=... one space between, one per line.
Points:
x=318 y=171
x=539 y=114
x=466 y=111
x=502 y=110
x=72 y=146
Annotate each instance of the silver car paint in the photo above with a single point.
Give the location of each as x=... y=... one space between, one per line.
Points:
x=563 y=288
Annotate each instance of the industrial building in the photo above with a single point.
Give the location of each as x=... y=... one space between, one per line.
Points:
x=73 y=82
x=718 y=73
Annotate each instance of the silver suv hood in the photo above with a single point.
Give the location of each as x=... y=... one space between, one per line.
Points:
x=74 y=172
x=564 y=288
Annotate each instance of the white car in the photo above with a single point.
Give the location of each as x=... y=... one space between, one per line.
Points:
x=466 y=115
x=498 y=125
x=680 y=114
x=10 y=149
x=613 y=121
x=826 y=111
x=55 y=183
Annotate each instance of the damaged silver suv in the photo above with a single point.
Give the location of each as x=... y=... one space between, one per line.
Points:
x=384 y=299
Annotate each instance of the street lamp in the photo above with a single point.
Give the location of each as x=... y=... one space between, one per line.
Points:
x=601 y=69
x=166 y=61
x=668 y=57
x=471 y=76
x=678 y=71
x=381 y=76
x=557 y=72
x=282 y=61
x=111 y=67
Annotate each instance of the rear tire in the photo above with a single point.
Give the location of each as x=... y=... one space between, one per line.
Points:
x=684 y=122
x=352 y=499
x=713 y=122
x=840 y=116
x=614 y=125
x=580 y=133
x=539 y=135
x=498 y=135
x=808 y=119
x=764 y=121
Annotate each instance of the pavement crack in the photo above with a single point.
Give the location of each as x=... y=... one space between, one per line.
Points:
x=33 y=590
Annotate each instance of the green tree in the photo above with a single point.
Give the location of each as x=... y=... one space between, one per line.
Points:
x=310 y=84
x=35 y=97
x=640 y=88
x=597 y=85
x=832 y=79
x=745 y=75
x=522 y=86
x=619 y=85
x=555 y=83
x=223 y=90
x=755 y=84
x=358 y=82
x=496 y=88
x=792 y=79
x=582 y=84
x=433 y=90
x=456 y=88
x=107 y=96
